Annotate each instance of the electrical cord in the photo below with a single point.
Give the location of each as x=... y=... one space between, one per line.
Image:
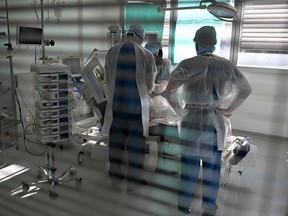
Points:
x=4 y=159
x=25 y=101
x=228 y=169
x=240 y=172
x=33 y=142
x=94 y=50
x=25 y=129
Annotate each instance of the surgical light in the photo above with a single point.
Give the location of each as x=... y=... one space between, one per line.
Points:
x=220 y=10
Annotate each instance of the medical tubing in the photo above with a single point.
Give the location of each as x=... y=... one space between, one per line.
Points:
x=5 y=159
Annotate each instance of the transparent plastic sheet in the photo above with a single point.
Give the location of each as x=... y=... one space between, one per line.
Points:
x=162 y=112
x=228 y=133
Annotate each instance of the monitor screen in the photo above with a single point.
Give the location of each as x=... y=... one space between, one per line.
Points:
x=150 y=36
x=30 y=35
x=74 y=64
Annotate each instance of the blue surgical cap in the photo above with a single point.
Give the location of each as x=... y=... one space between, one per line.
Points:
x=137 y=30
x=114 y=28
x=205 y=36
x=153 y=46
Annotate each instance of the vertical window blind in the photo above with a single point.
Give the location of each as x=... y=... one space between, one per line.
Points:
x=264 y=26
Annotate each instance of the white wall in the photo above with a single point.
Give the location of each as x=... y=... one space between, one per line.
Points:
x=266 y=109
x=81 y=27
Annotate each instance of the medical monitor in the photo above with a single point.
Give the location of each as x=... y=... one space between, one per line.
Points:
x=150 y=36
x=74 y=63
x=93 y=76
x=29 y=35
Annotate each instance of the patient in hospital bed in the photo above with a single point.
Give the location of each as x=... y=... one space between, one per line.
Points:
x=164 y=117
x=161 y=112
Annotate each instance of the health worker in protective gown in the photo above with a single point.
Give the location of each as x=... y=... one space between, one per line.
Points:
x=130 y=72
x=164 y=67
x=213 y=88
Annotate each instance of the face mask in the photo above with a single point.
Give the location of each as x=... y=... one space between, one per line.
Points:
x=207 y=49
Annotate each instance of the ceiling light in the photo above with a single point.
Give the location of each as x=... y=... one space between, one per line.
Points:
x=220 y=10
x=223 y=11
x=161 y=9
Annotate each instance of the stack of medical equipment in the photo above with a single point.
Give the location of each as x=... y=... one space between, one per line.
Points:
x=53 y=119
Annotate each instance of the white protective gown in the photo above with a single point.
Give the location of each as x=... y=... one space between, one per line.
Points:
x=212 y=83
x=145 y=78
x=164 y=69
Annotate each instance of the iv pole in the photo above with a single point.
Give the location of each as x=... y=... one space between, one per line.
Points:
x=47 y=172
x=42 y=26
x=10 y=55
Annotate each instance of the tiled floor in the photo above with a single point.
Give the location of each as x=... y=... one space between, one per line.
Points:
x=257 y=191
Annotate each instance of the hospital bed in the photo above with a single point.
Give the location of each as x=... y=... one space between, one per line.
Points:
x=163 y=146
x=239 y=151
x=163 y=141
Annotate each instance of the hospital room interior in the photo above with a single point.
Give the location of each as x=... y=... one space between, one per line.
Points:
x=54 y=160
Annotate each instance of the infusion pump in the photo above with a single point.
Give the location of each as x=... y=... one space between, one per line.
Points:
x=53 y=113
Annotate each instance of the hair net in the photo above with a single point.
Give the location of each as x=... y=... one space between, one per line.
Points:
x=137 y=30
x=114 y=28
x=205 y=36
x=153 y=46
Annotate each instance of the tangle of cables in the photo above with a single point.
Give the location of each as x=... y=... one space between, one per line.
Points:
x=26 y=131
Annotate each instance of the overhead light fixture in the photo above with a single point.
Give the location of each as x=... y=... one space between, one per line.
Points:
x=220 y=10
x=161 y=9
x=139 y=2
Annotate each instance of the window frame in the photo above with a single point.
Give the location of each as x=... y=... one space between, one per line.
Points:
x=170 y=41
x=236 y=54
x=256 y=34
